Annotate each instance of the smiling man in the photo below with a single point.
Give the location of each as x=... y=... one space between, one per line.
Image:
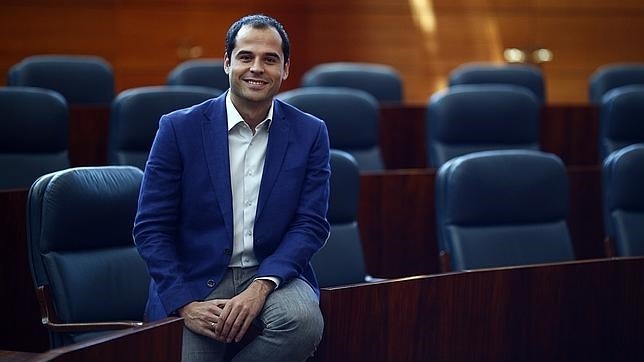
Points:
x=232 y=207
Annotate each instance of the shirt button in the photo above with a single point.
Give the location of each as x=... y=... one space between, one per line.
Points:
x=211 y=283
x=249 y=233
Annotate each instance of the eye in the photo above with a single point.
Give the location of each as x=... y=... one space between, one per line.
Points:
x=271 y=60
x=245 y=58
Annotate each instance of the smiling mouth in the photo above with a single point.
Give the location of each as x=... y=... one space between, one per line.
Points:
x=255 y=82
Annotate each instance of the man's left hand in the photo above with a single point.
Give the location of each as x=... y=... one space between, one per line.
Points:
x=240 y=311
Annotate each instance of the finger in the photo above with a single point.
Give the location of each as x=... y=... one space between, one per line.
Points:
x=227 y=316
x=237 y=325
x=230 y=320
x=243 y=329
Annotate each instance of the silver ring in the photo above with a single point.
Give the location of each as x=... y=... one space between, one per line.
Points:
x=212 y=324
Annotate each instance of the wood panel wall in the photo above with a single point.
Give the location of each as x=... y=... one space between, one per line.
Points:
x=423 y=39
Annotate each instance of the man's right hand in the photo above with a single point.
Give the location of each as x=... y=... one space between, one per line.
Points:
x=202 y=317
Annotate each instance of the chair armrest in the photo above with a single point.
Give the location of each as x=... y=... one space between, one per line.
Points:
x=50 y=320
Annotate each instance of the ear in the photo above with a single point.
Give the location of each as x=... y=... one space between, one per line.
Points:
x=226 y=63
x=287 y=65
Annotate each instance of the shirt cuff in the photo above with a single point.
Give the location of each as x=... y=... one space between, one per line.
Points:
x=272 y=279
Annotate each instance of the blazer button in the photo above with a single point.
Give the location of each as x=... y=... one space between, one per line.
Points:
x=211 y=283
x=228 y=251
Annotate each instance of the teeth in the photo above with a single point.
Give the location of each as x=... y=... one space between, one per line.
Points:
x=253 y=82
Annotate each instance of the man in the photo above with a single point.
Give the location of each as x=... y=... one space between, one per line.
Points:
x=232 y=207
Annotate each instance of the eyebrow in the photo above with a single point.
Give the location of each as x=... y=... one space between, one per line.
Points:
x=248 y=52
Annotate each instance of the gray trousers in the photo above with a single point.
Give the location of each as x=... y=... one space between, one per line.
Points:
x=291 y=323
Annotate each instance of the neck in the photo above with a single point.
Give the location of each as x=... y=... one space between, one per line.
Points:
x=253 y=113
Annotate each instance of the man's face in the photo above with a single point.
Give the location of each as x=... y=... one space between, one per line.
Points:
x=256 y=67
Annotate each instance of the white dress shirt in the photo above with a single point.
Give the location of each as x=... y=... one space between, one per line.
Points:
x=247 y=153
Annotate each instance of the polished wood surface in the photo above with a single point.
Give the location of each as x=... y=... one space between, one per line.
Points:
x=88 y=135
x=569 y=131
x=20 y=326
x=397 y=220
x=16 y=356
x=578 y=311
x=156 y=342
x=424 y=40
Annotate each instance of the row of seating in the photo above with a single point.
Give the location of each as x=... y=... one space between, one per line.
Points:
x=69 y=74
x=494 y=208
x=460 y=119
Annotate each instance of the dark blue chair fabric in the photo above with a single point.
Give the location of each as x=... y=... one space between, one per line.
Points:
x=621 y=119
x=86 y=80
x=135 y=115
x=341 y=261
x=200 y=72
x=351 y=116
x=623 y=191
x=33 y=135
x=503 y=208
x=381 y=81
x=79 y=229
x=470 y=118
x=513 y=74
x=612 y=76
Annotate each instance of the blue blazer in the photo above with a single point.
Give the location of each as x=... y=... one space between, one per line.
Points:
x=184 y=224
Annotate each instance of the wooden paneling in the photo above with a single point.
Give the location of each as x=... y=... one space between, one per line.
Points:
x=580 y=311
x=397 y=220
x=423 y=39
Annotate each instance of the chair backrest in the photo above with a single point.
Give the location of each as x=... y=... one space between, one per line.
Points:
x=489 y=73
x=86 y=80
x=200 y=72
x=135 y=114
x=623 y=177
x=79 y=231
x=381 y=81
x=351 y=117
x=612 y=76
x=470 y=118
x=341 y=261
x=502 y=208
x=33 y=135
x=621 y=119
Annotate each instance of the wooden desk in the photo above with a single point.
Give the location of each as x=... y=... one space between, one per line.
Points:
x=569 y=131
x=156 y=342
x=20 y=326
x=88 y=135
x=397 y=220
x=578 y=311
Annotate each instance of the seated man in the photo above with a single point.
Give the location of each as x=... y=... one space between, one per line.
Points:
x=230 y=213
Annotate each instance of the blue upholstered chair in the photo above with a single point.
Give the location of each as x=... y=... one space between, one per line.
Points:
x=82 y=80
x=623 y=177
x=503 y=208
x=612 y=76
x=489 y=73
x=381 y=81
x=470 y=118
x=135 y=118
x=88 y=275
x=351 y=117
x=621 y=119
x=341 y=261
x=200 y=72
x=33 y=135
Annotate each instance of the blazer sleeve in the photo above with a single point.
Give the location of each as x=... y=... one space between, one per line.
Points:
x=155 y=225
x=309 y=228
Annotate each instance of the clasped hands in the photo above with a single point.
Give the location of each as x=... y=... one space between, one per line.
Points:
x=227 y=320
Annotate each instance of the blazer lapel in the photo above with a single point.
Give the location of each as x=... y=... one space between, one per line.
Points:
x=277 y=144
x=215 y=144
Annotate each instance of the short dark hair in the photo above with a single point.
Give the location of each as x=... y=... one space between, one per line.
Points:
x=257 y=21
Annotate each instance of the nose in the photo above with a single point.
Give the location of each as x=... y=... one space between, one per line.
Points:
x=257 y=66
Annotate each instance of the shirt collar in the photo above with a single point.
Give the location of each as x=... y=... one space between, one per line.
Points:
x=235 y=118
